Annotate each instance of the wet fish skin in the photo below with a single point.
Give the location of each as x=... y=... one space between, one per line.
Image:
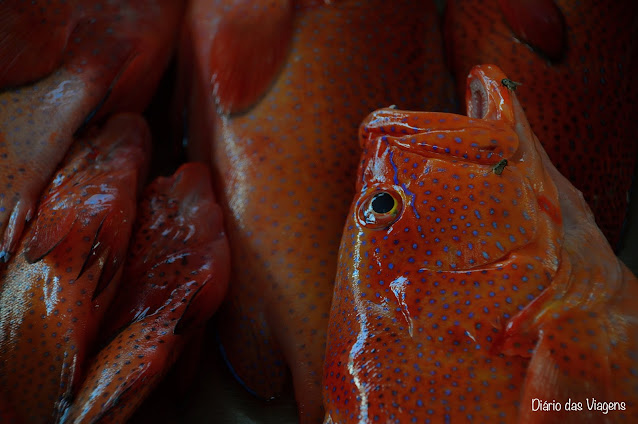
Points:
x=481 y=291
x=54 y=292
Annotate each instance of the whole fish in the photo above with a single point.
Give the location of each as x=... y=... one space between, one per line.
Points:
x=103 y=52
x=175 y=277
x=277 y=90
x=469 y=288
x=55 y=291
x=575 y=61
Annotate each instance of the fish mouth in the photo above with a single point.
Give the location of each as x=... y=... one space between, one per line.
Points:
x=478 y=104
x=485 y=136
x=472 y=139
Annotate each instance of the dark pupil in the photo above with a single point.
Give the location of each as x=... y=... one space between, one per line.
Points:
x=382 y=203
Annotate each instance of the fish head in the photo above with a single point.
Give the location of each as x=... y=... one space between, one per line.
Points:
x=444 y=192
x=454 y=228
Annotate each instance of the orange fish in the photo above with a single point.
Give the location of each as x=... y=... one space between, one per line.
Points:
x=175 y=278
x=575 y=61
x=96 y=54
x=276 y=92
x=473 y=281
x=54 y=292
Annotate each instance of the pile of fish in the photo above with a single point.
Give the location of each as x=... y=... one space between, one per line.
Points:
x=337 y=226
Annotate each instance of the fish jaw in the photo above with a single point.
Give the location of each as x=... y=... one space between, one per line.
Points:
x=175 y=278
x=55 y=291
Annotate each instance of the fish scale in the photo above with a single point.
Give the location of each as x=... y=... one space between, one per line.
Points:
x=476 y=292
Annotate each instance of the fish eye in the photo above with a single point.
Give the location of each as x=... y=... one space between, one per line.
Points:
x=380 y=209
x=383 y=202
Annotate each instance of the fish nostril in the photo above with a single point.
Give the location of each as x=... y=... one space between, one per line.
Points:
x=477 y=106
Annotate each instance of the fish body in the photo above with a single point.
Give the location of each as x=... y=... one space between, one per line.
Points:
x=465 y=294
x=284 y=154
x=575 y=61
x=105 y=52
x=53 y=294
x=175 y=278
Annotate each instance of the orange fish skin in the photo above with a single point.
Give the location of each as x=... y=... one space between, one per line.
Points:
x=114 y=49
x=284 y=166
x=580 y=103
x=464 y=297
x=175 y=278
x=55 y=291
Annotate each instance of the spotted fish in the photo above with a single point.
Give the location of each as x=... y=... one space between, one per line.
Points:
x=97 y=54
x=463 y=294
x=278 y=91
x=575 y=62
x=175 y=278
x=53 y=294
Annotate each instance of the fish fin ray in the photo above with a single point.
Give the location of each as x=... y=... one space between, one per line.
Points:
x=47 y=234
x=248 y=37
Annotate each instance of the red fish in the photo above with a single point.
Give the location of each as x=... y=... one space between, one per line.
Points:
x=174 y=280
x=53 y=294
x=100 y=53
x=291 y=81
x=472 y=278
x=575 y=61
